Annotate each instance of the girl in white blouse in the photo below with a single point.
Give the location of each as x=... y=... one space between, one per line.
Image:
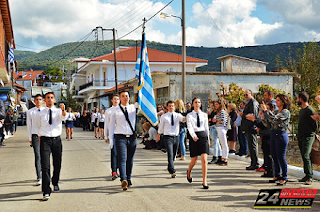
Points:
x=197 y=123
x=69 y=123
x=101 y=119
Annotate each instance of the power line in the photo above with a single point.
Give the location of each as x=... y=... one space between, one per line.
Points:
x=146 y=20
x=125 y=19
x=215 y=23
x=86 y=37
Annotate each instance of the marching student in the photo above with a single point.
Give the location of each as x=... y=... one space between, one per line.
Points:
x=169 y=126
x=101 y=120
x=108 y=113
x=123 y=130
x=69 y=123
x=49 y=128
x=33 y=134
x=197 y=123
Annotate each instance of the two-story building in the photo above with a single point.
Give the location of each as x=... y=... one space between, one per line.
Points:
x=98 y=74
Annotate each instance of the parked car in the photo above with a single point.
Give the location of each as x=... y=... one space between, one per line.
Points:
x=22 y=119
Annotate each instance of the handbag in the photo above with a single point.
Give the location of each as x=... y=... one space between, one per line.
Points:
x=127 y=118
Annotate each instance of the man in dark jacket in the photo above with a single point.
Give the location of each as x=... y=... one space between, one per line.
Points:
x=2 y=116
x=250 y=129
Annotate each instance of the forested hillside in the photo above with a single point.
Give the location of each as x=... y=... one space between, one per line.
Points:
x=64 y=53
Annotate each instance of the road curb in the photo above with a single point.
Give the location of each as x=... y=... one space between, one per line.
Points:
x=292 y=170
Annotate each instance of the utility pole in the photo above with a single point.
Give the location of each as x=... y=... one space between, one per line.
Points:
x=114 y=51
x=68 y=85
x=115 y=59
x=183 y=23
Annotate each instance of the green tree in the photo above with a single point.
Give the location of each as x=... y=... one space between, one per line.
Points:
x=55 y=72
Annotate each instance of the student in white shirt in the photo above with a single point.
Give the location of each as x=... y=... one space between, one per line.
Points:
x=69 y=123
x=101 y=119
x=197 y=123
x=114 y=164
x=125 y=137
x=49 y=128
x=33 y=134
x=169 y=126
x=94 y=121
x=150 y=140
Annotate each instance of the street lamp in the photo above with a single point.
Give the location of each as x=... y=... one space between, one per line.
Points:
x=164 y=15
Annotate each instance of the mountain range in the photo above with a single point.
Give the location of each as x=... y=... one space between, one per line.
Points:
x=62 y=55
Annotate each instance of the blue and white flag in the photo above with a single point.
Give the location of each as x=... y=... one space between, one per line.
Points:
x=146 y=99
x=11 y=54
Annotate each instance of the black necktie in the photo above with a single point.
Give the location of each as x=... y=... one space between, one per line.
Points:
x=126 y=112
x=172 y=122
x=198 y=120
x=38 y=109
x=50 y=116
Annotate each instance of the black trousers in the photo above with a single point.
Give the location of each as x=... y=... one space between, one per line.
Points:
x=50 y=145
x=172 y=144
x=268 y=161
x=253 y=148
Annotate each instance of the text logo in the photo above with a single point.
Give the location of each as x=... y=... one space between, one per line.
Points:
x=285 y=198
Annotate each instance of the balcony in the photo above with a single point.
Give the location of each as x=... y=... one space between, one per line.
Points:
x=81 y=87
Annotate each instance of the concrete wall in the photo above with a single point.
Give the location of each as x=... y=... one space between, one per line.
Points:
x=197 y=84
x=247 y=66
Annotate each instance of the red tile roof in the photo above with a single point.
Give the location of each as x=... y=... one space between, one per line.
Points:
x=27 y=75
x=131 y=54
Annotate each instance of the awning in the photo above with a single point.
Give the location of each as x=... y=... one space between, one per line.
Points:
x=5 y=89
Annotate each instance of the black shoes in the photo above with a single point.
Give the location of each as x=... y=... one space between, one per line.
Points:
x=252 y=167
x=56 y=188
x=205 y=186
x=214 y=160
x=304 y=179
x=267 y=175
x=275 y=179
x=219 y=160
x=129 y=183
x=189 y=179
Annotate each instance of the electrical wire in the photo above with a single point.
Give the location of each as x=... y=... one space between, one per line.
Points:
x=146 y=20
x=215 y=23
x=86 y=37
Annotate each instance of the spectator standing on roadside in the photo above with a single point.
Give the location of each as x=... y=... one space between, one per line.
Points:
x=2 y=117
x=307 y=128
x=252 y=107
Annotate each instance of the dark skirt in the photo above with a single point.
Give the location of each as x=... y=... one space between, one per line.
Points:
x=101 y=125
x=69 y=124
x=199 y=147
x=232 y=134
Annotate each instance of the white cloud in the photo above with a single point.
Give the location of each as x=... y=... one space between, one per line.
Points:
x=52 y=22
x=229 y=24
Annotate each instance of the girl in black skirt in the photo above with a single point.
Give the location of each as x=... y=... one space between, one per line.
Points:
x=197 y=123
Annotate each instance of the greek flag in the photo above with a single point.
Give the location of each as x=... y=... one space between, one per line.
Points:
x=11 y=55
x=146 y=99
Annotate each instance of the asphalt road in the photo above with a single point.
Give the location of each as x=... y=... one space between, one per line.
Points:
x=86 y=184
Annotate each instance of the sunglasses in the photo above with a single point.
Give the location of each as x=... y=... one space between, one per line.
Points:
x=245 y=94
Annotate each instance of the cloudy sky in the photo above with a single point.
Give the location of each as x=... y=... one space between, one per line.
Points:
x=39 y=25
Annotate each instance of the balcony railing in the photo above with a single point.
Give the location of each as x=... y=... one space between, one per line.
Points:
x=81 y=87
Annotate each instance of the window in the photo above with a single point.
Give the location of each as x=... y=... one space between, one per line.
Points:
x=162 y=95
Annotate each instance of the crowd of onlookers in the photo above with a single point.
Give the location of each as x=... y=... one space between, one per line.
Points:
x=230 y=123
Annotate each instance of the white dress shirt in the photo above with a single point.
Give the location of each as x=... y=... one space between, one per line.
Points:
x=93 y=117
x=192 y=123
x=118 y=122
x=107 y=117
x=31 y=120
x=101 y=117
x=43 y=126
x=152 y=134
x=70 y=117
x=165 y=126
